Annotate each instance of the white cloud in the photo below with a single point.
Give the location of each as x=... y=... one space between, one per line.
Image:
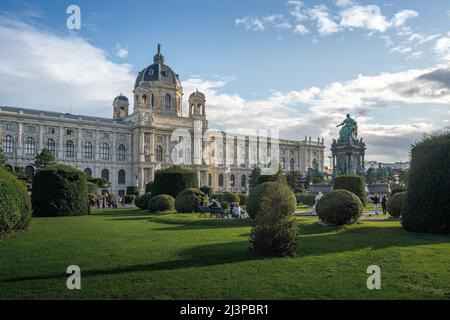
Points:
x=442 y=48
x=121 y=52
x=367 y=17
x=325 y=25
x=401 y=50
x=250 y=23
x=301 y=29
x=48 y=71
x=401 y=17
x=343 y=3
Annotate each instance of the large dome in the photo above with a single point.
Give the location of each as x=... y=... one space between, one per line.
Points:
x=158 y=71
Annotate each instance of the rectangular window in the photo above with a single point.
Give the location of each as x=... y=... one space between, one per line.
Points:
x=69 y=132
x=121 y=137
x=9 y=126
x=88 y=134
x=50 y=130
x=30 y=129
x=105 y=135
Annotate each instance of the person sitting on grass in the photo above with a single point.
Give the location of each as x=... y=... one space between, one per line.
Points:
x=235 y=210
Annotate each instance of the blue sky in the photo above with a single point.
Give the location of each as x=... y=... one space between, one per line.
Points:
x=299 y=65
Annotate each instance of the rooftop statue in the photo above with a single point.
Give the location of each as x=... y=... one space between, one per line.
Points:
x=349 y=130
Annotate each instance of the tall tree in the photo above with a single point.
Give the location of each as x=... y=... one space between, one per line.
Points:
x=2 y=158
x=44 y=159
x=20 y=174
x=253 y=177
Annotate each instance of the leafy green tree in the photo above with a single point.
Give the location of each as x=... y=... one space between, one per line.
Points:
x=294 y=180
x=102 y=183
x=44 y=159
x=2 y=158
x=253 y=177
x=20 y=174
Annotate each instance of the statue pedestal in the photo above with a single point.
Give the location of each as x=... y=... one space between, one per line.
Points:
x=348 y=157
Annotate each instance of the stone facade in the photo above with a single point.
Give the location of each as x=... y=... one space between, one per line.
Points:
x=128 y=148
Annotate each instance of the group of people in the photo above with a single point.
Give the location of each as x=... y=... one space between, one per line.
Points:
x=376 y=199
x=107 y=202
x=235 y=211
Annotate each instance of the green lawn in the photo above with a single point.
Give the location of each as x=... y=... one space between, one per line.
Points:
x=130 y=254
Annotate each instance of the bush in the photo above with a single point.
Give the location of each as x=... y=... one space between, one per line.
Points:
x=427 y=206
x=174 y=180
x=352 y=183
x=395 y=204
x=15 y=205
x=207 y=190
x=243 y=199
x=228 y=197
x=129 y=199
x=133 y=190
x=339 y=207
x=397 y=189
x=275 y=231
x=277 y=177
x=149 y=187
x=188 y=200
x=142 y=201
x=21 y=198
x=92 y=187
x=59 y=190
x=162 y=202
x=257 y=193
x=308 y=199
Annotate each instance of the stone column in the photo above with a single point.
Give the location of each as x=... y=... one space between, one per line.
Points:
x=19 y=140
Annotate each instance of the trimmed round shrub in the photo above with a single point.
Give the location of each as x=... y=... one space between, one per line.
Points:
x=258 y=192
x=15 y=205
x=339 y=207
x=352 y=183
x=59 y=190
x=162 y=202
x=397 y=189
x=427 y=207
x=174 y=180
x=395 y=204
x=132 y=190
x=308 y=199
x=229 y=197
x=189 y=200
x=275 y=231
x=207 y=190
x=243 y=199
x=142 y=201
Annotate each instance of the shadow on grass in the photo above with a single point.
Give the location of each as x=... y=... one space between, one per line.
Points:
x=200 y=256
x=208 y=223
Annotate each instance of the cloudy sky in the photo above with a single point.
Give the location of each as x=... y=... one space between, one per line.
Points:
x=298 y=66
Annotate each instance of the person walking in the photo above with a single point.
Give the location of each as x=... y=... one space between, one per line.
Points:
x=375 y=200
x=384 y=204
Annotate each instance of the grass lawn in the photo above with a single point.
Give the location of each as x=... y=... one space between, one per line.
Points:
x=130 y=254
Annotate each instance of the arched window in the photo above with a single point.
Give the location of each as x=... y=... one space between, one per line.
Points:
x=220 y=180
x=121 y=153
x=51 y=146
x=70 y=149
x=29 y=172
x=121 y=177
x=243 y=181
x=209 y=179
x=88 y=172
x=168 y=101
x=145 y=100
x=104 y=151
x=87 y=150
x=232 y=180
x=105 y=174
x=292 y=165
x=159 y=154
x=8 y=144
x=30 y=146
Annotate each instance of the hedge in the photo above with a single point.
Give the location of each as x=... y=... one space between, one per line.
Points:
x=162 y=202
x=352 y=183
x=275 y=231
x=132 y=190
x=277 y=177
x=254 y=199
x=142 y=201
x=305 y=198
x=149 y=187
x=427 y=206
x=339 y=207
x=174 y=180
x=207 y=190
x=397 y=189
x=189 y=200
x=15 y=205
x=395 y=204
x=59 y=190
x=228 y=197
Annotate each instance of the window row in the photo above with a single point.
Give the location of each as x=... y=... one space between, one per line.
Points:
x=232 y=180
x=121 y=175
x=8 y=145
